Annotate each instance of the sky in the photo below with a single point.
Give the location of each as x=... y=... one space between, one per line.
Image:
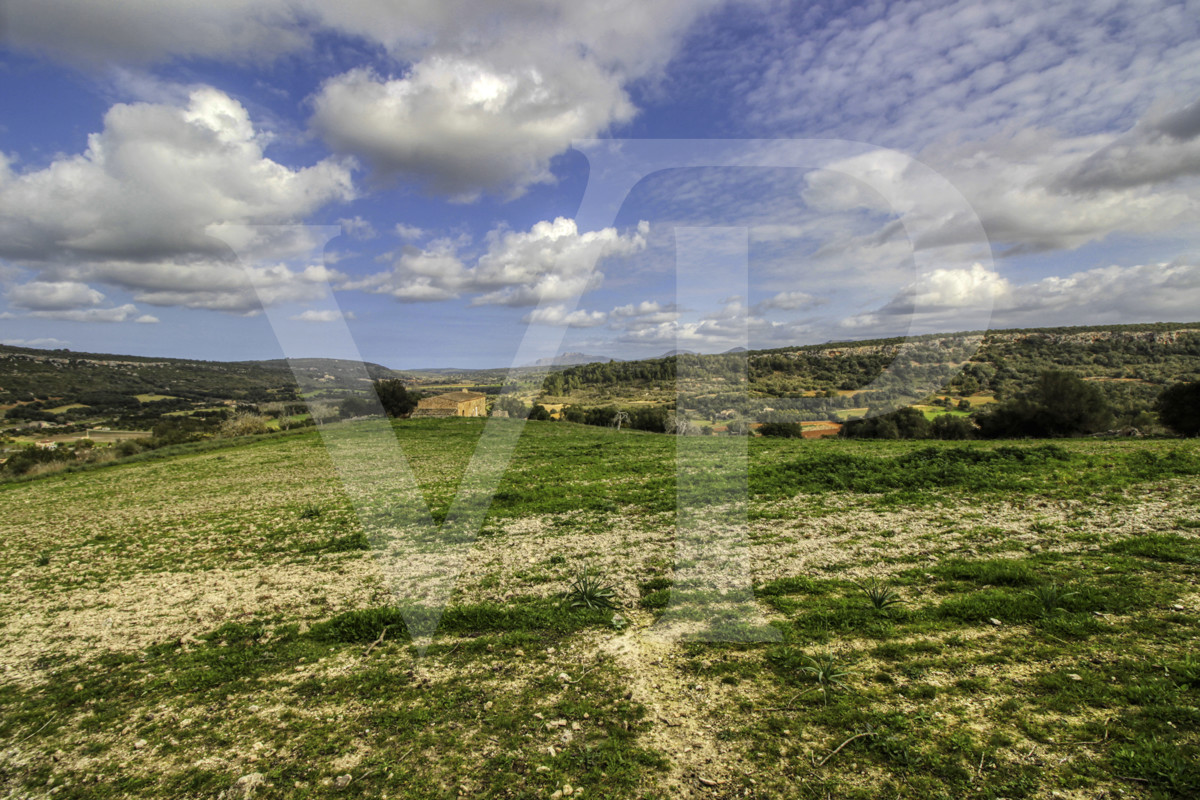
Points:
x=444 y=183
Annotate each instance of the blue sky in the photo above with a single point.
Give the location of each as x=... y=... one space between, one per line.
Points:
x=426 y=174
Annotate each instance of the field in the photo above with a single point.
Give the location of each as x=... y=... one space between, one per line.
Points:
x=928 y=620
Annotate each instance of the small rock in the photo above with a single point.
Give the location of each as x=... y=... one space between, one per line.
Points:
x=707 y=782
x=997 y=623
x=568 y=790
x=342 y=781
x=1177 y=607
x=488 y=705
x=564 y=677
x=139 y=744
x=79 y=687
x=246 y=785
x=1075 y=677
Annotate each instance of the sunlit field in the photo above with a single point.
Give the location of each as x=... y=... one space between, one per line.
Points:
x=951 y=620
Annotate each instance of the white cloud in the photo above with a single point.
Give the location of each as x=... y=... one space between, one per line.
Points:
x=54 y=295
x=788 y=301
x=558 y=316
x=647 y=312
x=147 y=319
x=1106 y=295
x=133 y=210
x=118 y=314
x=148 y=30
x=408 y=231
x=358 y=228
x=483 y=95
x=323 y=315
x=46 y=342
x=462 y=126
x=1032 y=190
x=550 y=262
x=908 y=74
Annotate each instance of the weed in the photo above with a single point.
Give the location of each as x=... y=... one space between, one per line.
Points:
x=1163 y=764
x=826 y=670
x=590 y=590
x=310 y=512
x=882 y=596
x=1051 y=596
x=43 y=560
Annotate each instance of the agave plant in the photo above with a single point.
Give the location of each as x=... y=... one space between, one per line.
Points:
x=1051 y=597
x=882 y=595
x=589 y=589
x=827 y=671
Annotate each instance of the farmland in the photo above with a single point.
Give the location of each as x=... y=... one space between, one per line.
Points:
x=173 y=627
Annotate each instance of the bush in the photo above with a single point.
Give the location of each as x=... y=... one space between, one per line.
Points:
x=904 y=423
x=396 y=400
x=1178 y=408
x=243 y=423
x=951 y=427
x=785 y=430
x=1061 y=404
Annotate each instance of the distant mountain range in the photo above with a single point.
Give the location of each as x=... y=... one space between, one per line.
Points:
x=571 y=359
x=1124 y=355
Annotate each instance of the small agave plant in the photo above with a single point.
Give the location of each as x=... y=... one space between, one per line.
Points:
x=882 y=595
x=1051 y=596
x=589 y=589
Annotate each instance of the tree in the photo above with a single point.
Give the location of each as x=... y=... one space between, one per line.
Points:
x=512 y=405
x=1178 y=408
x=539 y=412
x=397 y=401
x=1060 y=404
x=948 y=426
x=355 y=407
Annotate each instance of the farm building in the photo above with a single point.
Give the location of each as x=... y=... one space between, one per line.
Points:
x=453 y=404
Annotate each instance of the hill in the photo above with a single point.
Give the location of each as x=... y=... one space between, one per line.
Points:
x=953 y=621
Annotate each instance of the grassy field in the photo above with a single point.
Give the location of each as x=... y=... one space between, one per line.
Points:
x=953 y=620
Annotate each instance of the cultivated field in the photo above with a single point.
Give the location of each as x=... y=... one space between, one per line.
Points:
x=220 y=622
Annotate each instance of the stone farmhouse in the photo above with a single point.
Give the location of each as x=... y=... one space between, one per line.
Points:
x=453 y=404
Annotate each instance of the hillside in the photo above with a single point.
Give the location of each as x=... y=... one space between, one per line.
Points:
x=247 y=636
x=1130 y=362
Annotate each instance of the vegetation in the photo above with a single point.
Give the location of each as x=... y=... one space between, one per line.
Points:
x=1045 y=642
x=1178 y=408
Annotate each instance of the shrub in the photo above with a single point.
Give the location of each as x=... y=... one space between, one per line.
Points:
x=1178 y=408
x=244 y=423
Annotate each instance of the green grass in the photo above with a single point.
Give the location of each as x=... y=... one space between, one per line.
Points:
x=227 y=609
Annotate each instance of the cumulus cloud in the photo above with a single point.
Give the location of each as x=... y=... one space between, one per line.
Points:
x=788 y=301
x=483 y=95
x=54 y=295
x=411 y=232
x=1106 y=295
x=322 y=315
x=118 y=314
x=358 y=228
x=47 y=342
x=149 y=30
x=463 y=125
x=1033 y=191
x=732 y=325
x=133 y=210
x=1162 y=148
x=551 y=262
x=559 y=317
